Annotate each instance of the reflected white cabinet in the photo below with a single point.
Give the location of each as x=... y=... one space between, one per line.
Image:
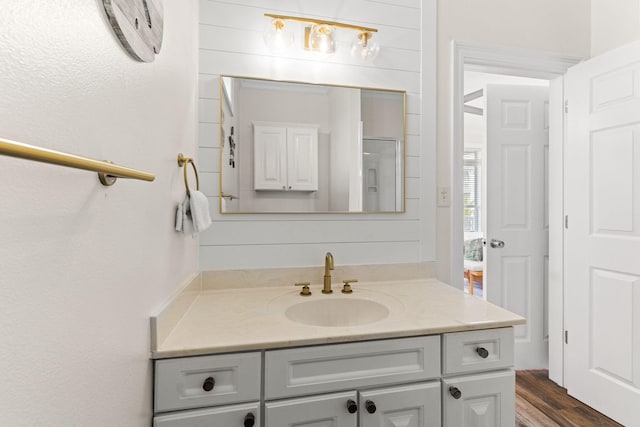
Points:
x=285 y=157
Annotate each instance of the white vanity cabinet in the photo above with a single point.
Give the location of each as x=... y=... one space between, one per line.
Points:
x=285 y=157
x=356 y=373
x=454 y=380
x=415 y=405
x=478 y=384
x=225 y=388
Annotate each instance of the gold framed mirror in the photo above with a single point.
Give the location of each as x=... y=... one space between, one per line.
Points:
x=294 y=147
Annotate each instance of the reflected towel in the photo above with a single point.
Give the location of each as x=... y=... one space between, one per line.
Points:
x=200 y=213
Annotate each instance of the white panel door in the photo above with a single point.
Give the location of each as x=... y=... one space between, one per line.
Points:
x=329 y=410
x=517 y=229
x=416 y=405
x=602 y=259
x=302 y=159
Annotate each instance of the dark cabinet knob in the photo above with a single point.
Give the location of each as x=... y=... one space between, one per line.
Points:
x=249 y=420
x=208 y=384
x=482 y=352
x=370 y=406
x=455 y=392
x=351 y=406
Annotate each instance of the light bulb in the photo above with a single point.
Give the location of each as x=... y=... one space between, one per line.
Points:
x=277 y=36
x=364 y=48
x=321 y=39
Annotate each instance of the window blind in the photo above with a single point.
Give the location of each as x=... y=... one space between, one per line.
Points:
x=472 y=196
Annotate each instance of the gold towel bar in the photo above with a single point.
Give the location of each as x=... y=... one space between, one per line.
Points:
x=107 y=172
x=229 y=196
x=183 y=162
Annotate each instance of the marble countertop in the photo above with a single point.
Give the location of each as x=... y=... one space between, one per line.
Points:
x=227 y=320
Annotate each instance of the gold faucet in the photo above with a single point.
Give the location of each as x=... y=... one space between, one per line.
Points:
x=328 y=266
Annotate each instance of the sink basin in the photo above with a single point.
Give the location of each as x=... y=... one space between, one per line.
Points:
x=337 y=312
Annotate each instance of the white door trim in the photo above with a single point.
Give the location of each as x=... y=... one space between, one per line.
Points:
x=494 y=59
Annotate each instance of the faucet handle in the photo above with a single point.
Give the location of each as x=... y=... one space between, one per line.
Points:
x=305 y=292
x=346 y=289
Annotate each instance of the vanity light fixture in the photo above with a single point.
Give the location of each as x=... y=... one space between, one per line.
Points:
x=319 y=36
x=278 y=36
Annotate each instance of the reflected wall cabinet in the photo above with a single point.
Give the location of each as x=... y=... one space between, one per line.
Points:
x=285 y=157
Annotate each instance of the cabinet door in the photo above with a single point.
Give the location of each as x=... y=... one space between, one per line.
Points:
x=416 y=405
x=329 y=410
x=479 y=400
x=302 y=159
x=270 y=157
x=224 y=416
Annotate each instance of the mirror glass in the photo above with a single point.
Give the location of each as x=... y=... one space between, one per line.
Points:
x=294 y=147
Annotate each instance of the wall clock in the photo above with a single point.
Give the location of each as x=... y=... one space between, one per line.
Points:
x=138 y=25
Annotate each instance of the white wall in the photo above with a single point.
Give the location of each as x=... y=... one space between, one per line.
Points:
x=547 y=25
x=613 y=24
x=231 y=42
x=84 y=266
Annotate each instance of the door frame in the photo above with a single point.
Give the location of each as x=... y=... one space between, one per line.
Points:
x=523 y=63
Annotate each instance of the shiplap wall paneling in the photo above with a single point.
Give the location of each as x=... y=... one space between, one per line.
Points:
x=231 y=42
x=311 y=254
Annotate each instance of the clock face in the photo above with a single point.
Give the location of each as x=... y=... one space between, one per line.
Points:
x=138 y=25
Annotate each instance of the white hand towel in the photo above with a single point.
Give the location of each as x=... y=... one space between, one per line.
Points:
x=200 y=211
x=184 y=222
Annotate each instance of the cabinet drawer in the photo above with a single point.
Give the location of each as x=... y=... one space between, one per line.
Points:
x=225 y=416
x=325 y=368
x=474 y=351
x=180 y=383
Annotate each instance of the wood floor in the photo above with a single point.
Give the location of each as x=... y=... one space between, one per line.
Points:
x=540 y=402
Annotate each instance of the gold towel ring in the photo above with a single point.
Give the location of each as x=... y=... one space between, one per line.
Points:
x=182 y=162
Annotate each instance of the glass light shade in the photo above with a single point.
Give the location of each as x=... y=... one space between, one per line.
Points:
x=321 y=39
x=278 y=37
x=364 y=48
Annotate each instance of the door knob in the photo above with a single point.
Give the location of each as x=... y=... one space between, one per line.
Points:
x=495 y=243
x=351 y=406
